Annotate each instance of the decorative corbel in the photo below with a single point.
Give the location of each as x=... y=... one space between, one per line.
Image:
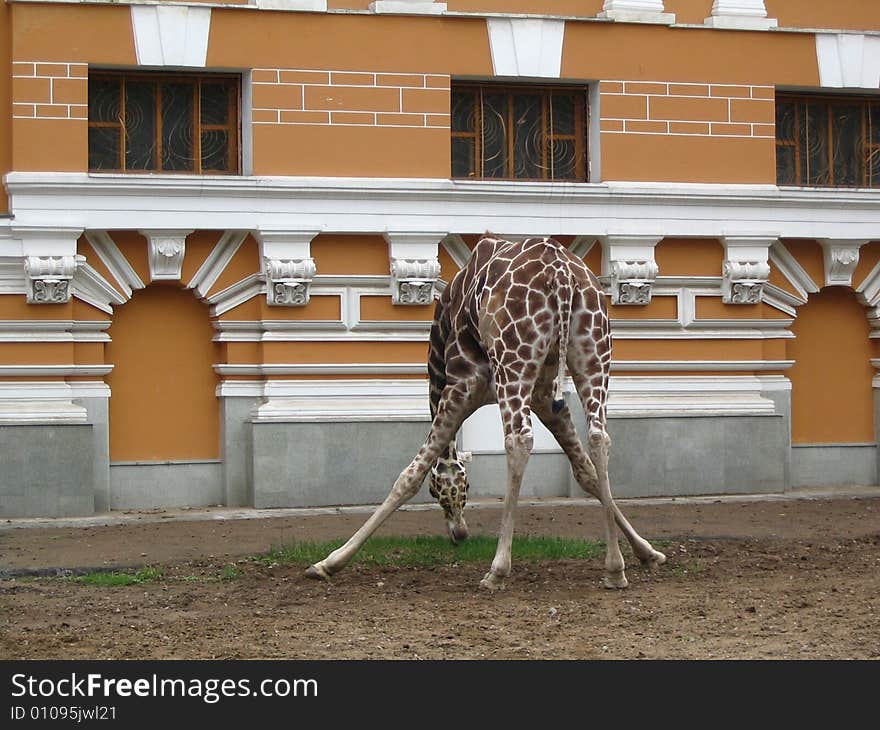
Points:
x=415 y=267
x=49 y=278
x=629 y=268
x=746 y=268
x=288 y=281
x=288 y=265
x=165 y=252
x=841 y=259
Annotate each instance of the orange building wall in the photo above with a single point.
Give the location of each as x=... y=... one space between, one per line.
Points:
x=163 y=404
x=832 y=397
x=5 y=98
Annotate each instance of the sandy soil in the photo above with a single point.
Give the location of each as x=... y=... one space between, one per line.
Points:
x=792 y=578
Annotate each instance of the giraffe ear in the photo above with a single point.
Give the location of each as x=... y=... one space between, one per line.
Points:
x=465 y=456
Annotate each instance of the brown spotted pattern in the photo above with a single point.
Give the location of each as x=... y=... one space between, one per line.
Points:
x=504 y=331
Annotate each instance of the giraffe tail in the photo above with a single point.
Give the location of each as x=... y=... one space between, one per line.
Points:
x=563 y=289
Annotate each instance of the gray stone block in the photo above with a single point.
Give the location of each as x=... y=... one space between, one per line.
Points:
x=149 y=485
x=833 y=464
x=313 y=464
x=47 y=470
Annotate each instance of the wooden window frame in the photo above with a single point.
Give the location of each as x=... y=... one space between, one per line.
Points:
x=232 y=127
x=546 y=92
x=870 y=117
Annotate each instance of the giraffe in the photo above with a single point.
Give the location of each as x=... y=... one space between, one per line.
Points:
x=504 y=331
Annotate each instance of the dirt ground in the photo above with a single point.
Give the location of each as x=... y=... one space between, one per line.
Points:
x=792 y=578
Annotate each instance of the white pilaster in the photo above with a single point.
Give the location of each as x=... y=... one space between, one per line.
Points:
x=165 y=252
x=408 y=7
x=289 y=266
x=415 y=267
x=637 y=11
x=740 y=15
x=629 y=267
x=841 y=258
x=746 y=268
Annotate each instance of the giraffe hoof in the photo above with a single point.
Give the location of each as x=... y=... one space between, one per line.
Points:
x=615 y=581
x=656 y=558
x=317 y=572
x=492 y=582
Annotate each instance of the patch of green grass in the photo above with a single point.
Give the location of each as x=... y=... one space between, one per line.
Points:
x=435 y=550
x=116 y=578
x=230 y=572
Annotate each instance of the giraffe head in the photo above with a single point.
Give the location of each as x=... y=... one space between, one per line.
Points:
x=449 y=486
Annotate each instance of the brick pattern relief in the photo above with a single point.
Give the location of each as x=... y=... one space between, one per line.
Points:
x=341 y=98
x=49 y=90
x=705 y=110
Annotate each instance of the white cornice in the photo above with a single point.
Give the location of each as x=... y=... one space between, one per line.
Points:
x=371 y=205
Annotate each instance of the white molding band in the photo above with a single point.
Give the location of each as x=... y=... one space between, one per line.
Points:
x=740 y=15
x=47 y=402
x=791 y=269
x=366 y=205
x=174 y=35
x=848 y=60
x=530 y=47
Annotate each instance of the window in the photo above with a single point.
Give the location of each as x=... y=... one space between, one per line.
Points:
x=519 y=133
x=828 y=141
x=164 y=123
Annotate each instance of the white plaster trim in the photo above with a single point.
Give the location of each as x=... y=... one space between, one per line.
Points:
x=848 y=60
x=421 y=368
x=171 y=35
x=216 y=262
x=12 y=278
x=530 y=47
x=22 y=412
x=367 y=205
x=693 y=396
x=235 y=294
x=115 y=261
x=789 y=267
x=37 y=371
x=343 y=400
x=697 y=365
x=393 y=368
x=408 y=7
x=307 y=6
x=868 y=291
x=740 y=15
x=636 y=11
x=47 y=402
x=94 y=289
x=31 y=330
x=457 y=249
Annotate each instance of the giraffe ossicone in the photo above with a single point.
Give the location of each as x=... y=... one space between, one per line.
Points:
x=505 y=330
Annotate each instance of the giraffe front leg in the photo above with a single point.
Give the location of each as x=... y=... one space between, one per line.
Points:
x=406 y=487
